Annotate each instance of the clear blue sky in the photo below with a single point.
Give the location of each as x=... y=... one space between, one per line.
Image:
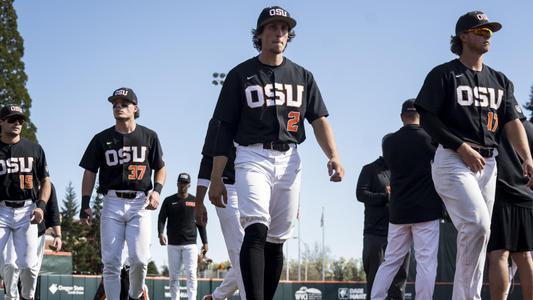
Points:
x=367 y=58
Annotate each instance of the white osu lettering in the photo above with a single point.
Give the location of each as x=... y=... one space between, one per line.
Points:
x=15 y=165
x=125 y=155
x=479 y=96
x=482 y=17
x=277 y=12
x=121 y=93
x=277 y=94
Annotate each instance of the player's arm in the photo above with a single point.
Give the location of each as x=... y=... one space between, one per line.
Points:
x=161 y=221
x=516 y=135
x=202 y=230
x=364 y=190
x=200 y=212
x=160 y=177
x=217 y=190
x=326 y=140
x=43 y=196
x=52 y=218
x=87 y=186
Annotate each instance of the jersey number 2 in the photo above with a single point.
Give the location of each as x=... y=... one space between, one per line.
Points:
x=492 y=121
x=26 y=182
x=136 y=172
x=292 y=123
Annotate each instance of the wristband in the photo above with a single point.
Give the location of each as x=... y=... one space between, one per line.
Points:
x=158 y=187
x=85 y=202
x=41 y=204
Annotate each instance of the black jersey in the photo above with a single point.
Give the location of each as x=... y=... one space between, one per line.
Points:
x=474 y=105
x=372 y=191
x=181 y=226
x=206 y=165
x=261 y=103
x=408 y=153
x=512 y=186
x=22 y=167
x=125 y=161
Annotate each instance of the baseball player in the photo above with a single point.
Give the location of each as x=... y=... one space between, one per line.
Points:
x=125 y=156
x=181 y=241
x=512 y=222
x=373 y=189
x=261 y=107
x=415 y=207
x=23 y=170
x=464 y=105
x=228 y=216
x=8 y=266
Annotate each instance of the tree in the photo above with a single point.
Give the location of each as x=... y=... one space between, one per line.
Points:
x=152 y=269
x=70 y=228
x=165 y=271
x=12 y=75
x=529 y=105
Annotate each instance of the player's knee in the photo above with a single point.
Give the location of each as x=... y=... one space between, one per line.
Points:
x=112 y=269
x=480 y=229
x=255 y=235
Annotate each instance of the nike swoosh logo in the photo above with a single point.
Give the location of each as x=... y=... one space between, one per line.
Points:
x=250 y=77
x=457 y=76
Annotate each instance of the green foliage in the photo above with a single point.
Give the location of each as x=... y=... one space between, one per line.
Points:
x=152 y=269
x=529 y=105
x=12 y=75
x=83 y=241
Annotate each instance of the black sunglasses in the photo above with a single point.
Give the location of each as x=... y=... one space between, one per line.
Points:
x=12 y=120
x=121 y=105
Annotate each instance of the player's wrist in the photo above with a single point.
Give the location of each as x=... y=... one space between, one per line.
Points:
x=158 y=187
x=41 y=204
x=85 y=202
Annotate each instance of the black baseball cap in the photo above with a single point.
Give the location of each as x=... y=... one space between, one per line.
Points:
x=123 y=93
x=275 y=13
x=11 y=110
x=184 y=178
x=475 y=19
x=408 y=106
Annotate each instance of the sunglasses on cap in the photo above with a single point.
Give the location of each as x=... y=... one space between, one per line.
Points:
x=121 y=105
x=12 y=120
x=483 y=31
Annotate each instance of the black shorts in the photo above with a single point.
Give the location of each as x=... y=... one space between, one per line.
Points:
x=511 y=228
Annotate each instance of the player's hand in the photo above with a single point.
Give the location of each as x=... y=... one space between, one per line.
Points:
x=153 y=201
x=86 y=215
x=204 y=249
x=472 y=159
x=335 y=170
x=162 y=239
x=217 y=193
x=527 y=166
x=200 y=214
x=57 y=243
x=37 y=216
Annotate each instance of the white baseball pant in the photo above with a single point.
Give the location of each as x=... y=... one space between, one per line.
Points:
x=125 y=222
x=188 y=256
x=10 y=271
x=15 y=224
x=469 y=198
x=268 y=188
x=425 y=238
x=233 y=235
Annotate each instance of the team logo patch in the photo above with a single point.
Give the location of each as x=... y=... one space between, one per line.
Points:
x=482 y=17
x=121 y=93
x=15 y=108
x=190 y=203
x=277 y=12
x=518 y=108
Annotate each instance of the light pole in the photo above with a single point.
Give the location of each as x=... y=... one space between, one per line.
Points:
x=218 y=78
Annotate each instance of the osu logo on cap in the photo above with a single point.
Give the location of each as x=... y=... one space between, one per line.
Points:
x=121 y=93
x=15 y=108
x=482 y=17
x=277 y=12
